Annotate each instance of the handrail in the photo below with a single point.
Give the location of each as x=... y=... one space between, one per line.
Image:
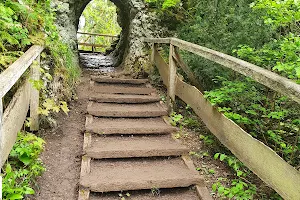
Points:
x=258 y=157
x=12 y=119
x=263 y=76
x=12 y=74
x=92 y=40
x=97 y=34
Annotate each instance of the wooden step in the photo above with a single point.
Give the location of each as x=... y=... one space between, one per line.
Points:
x=128 y=174
x=119 y=80
x=158 y=194
x=119 y=98
x=127 y=126
x=137 y=146
x=126 y=110
x=120 y=89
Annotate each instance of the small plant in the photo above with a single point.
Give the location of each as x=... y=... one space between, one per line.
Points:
x=207 y=139
x=124 y=196
x=175 y=119
x=234 y=163
x=238 y=190
x=211 y=171
x=23 y=166
x=155 y=191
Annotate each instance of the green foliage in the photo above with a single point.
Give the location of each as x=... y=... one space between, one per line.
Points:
x=164 y=4
x=273 y=119
x=265 y=33
x=32 y=22
x=282 y=13
x=281 y=56
x=100 y=17
x=238 y=189
x=22 y=167
x=175 y=119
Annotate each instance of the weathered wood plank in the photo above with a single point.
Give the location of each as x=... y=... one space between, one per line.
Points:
x=258 y=157
x=12 y=74
x=172 y=80
x=157 y=40
x=263 y=76
x=85 y=166
x=13 y=119
x=34 y=95
x=97 y=34
x=92 y=45
x=162 y=67
x=186 y=69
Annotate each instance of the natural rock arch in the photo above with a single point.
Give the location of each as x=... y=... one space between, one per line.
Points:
x=134 y=18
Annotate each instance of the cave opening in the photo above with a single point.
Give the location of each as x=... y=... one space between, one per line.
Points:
x=102 y=32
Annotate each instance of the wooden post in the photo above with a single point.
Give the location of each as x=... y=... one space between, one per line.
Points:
x=171 y=80
x=154 y=47
x=34 y=95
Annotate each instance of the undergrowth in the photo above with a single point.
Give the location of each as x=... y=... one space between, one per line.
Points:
x=241 y=184
x=28 y=22
x=22 y=167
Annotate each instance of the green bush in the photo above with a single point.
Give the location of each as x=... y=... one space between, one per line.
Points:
x=23 y=167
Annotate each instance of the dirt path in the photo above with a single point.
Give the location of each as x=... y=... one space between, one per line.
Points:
x=117 y=155
x=62 y=155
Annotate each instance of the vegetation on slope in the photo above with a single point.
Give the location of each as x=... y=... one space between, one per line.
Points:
x=28 y=22
x=263 y=32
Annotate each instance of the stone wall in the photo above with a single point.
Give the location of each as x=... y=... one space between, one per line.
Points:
x=134 y=18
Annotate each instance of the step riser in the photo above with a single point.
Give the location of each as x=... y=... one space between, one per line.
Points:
x=180 y=183
x=137 y=131
x=128 y=126
x=126 y=110
x=138 y=174
x=134 y=154
x=120 y=81
x=127 y=114
x=128 y=100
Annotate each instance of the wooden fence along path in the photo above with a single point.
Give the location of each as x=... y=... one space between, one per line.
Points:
x=258 y=157
x=12 y=119
x=91 y=39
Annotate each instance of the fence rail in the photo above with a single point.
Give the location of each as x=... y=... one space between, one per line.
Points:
x=13 y=117
x=258 y=157
x=91 y=39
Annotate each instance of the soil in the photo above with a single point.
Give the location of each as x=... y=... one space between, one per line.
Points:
x=63 y=150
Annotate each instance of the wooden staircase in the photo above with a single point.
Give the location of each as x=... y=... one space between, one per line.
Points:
x=128 y=146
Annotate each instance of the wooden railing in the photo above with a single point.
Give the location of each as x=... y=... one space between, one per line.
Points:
x=91 y=38
x=13 y=117
x=258 y=157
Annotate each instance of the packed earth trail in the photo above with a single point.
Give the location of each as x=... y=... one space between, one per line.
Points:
x=127 y=150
